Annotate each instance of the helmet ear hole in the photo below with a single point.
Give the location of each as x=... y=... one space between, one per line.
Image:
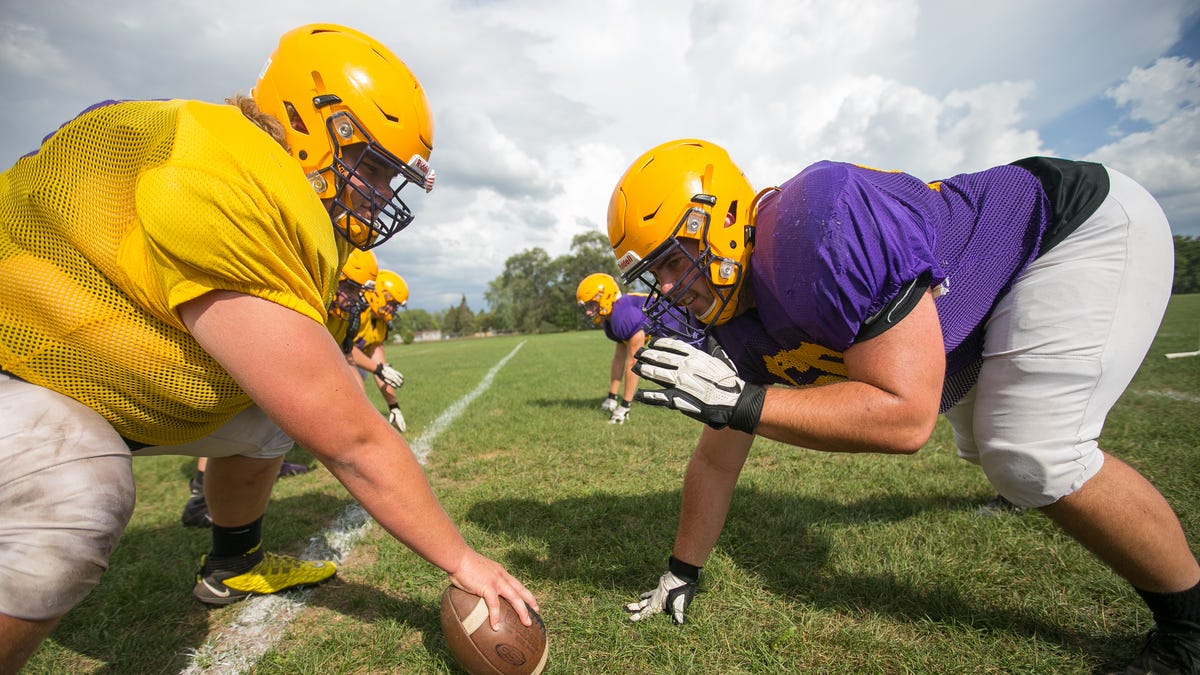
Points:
x=294 y=119
x=731 y=218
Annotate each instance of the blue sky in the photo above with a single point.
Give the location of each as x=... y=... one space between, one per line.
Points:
x=1077 y=132
x=540 y=105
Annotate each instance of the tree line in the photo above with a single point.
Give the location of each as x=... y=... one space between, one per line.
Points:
x=536 y=293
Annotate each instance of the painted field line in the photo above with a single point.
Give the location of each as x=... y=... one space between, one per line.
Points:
x=263 y=618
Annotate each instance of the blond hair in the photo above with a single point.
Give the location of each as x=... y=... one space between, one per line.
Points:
x=262 y=120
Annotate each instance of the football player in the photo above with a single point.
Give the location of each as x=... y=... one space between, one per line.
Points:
x=390 y=293
x=166 y=269
x=624 y=323
x=856 y=304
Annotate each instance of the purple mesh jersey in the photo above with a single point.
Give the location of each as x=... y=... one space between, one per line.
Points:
x=839 y=243
x=626 y=318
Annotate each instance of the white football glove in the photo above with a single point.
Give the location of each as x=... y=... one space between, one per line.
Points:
x=672 y=596
x=396 y=419
x=619 y=415
x=698 y=384
x=390 y=376
x=609 y=405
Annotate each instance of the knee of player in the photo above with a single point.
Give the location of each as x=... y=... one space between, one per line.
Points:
x=77 y=511
x=1036 y=475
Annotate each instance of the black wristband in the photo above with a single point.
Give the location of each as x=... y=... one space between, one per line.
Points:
x=379 y=369
x=689 y=573
x=626 y=403
x=748 y=408
x=612 y=397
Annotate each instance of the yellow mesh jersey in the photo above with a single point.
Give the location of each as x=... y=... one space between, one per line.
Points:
x=372 y=331
x=128 y=211
x=338 y=324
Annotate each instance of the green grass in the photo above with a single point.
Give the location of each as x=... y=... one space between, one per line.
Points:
x=829 y=563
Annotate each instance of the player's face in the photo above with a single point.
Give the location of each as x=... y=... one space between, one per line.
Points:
x=370 y=176
x=367 y=208
x=680 y=280
x=349 y=295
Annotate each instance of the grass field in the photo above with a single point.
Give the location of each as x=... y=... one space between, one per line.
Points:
x=829 y=563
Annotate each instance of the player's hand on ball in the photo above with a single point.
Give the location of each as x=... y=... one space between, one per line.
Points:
x=390 y=376
x=698 y=384
x=619 y=415
x=673 y=595
x=482 y=576
x=609 y=405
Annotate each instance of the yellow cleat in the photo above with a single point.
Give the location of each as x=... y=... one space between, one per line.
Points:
x=272 y=574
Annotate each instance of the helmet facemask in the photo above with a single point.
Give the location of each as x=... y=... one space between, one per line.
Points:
x=351 y=298
x=722 y=275
x=388 y=213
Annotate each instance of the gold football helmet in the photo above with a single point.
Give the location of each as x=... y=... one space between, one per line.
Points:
x=684 y=189
x=333 y=87
x=391 y=293
x=596 y=295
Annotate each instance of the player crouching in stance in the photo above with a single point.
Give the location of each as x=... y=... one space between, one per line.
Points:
x=856 y=304
x=166 y=268
x=356 y=324
x=388 y=297
x=621 y=317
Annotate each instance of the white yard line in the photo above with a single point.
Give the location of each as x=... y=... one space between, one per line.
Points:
x=1171 y=394
x=263 y=618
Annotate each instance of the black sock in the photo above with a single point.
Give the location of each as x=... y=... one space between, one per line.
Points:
x=1171 y=607
x=234 y=543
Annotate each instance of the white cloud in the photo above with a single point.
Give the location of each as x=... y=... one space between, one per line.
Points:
x=1166 y=157
x=539 y=106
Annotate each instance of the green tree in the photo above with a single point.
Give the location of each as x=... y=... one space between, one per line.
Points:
x=590 y=253
x=483 y=321
x=414 y=321
x=459 y=320
x=520 y=296
x=1187 y=265
x=535 y=294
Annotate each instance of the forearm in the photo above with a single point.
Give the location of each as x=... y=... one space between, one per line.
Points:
x=889 y=402
x=708 y=488
x=360 y=359
x=391 y=486
x=845 y=417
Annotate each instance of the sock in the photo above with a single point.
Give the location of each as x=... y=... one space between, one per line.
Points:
x=1171 y=607
x=236 y=548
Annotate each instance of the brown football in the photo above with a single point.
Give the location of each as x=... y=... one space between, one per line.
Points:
x=512 y=649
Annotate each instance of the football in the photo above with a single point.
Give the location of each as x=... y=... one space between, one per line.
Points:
x=512 y=649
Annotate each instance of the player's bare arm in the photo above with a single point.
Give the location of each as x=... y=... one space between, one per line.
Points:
x=889 y=403
x=293 y=370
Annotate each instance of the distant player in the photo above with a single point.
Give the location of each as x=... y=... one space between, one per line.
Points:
x=856 y=304
x=388 y=296
x=603 y=303
x=165 y=269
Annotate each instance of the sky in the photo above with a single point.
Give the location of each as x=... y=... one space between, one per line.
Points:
x=539 y=106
